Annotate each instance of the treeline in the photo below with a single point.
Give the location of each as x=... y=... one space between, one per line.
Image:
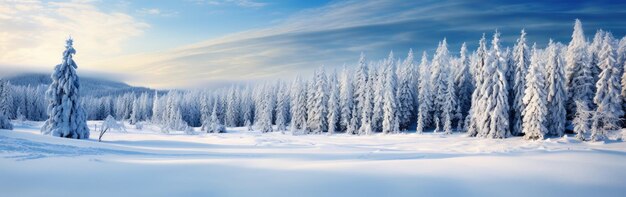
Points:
x=493 y=91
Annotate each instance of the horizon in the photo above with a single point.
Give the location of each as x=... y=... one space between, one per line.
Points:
x=197 y=44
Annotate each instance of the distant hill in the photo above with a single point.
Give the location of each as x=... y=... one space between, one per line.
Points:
x=89 y=86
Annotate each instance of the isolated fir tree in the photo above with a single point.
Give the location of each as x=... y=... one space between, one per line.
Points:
x=555 y=81
x=608 y=98
x=536 y=111
x=66 y=117
x=521 y=62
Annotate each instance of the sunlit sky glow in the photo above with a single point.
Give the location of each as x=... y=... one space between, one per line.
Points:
x=207 y=43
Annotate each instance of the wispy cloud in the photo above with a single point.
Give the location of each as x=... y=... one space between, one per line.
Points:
x=242 y=3
x=156 y=12
x=336 y=33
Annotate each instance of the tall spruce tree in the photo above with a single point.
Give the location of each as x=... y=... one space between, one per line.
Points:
x=66 y=116
x=608 y=98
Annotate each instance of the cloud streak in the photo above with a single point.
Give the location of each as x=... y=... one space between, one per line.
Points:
x=336 y=33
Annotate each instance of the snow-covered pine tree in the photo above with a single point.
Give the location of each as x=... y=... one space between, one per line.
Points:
x=6 y=99
x=608 y=92
x=579 y=71
x=318 y=112
x=156 y=109
x=405 y=92
x=474 y=118
x=206 y=112
x=360 y=87
x=520 y=64
x=333 y=104
x=536 y=111
x=248 y=108
x=424 y=95
x=346 y=101
x=232 y=108
x=582 y=119
x=555 y=78
x=282 y=107
x=214 y=123
x=4 y=104
x=135 y=113
x=390 y=108
x=379 y=94
x=497 y=94
x=66 y=117
x=298 y=106
x=593 y=51
x=365 y=127
x=352 y=129
x=464 y=86
x=267 y=106
x=440 y=71
x=450 y=106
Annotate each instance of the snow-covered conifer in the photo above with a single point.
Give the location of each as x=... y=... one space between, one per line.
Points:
x=464 y=86
x=282 y=108
x=582 y=119
x=390 y=108
x=298 y=106
x=520 y=64
x=318 y=112
x=475 y=119
x=497 y=94
x=66 y=117
x=579 y=71
x=424 y=95
x=360 y=87
x=440 y=71
x=449 y=106
x=346 y=100
x=608 y=92
x=555 y=90
x=333 y=104
x=536 y=111
x=405 y=92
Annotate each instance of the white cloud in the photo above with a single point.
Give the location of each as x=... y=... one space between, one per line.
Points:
x=242 y=3
x=156 y=12
x=33 y=33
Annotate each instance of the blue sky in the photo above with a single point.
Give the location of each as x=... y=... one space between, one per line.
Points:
x=207 y=43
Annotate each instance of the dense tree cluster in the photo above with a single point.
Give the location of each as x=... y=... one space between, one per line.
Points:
x=492 y=92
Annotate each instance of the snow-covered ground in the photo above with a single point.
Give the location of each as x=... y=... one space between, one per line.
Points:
x=240 y=163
